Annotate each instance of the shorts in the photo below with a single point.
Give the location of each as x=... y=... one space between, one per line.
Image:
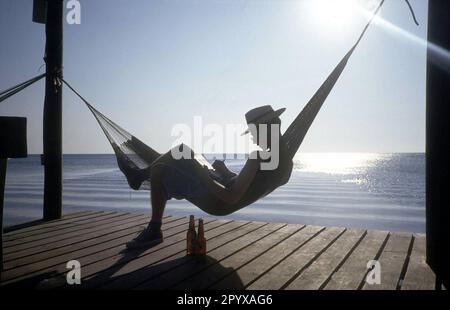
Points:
x=181 y=181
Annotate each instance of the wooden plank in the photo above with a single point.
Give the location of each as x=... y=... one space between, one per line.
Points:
x=56 y=241
x=89 y=251
x=176 y=275
x=419 y=275
x=122 y=265
x=141 y=270
x=75 y=239
x=53 y=223
x=353 y=272
x=61 y=248
x=104 y=244
x=49 y=243
x=81 y=241
x=216 y=272
x=250 y=272
x=392 y=261
x=16 y=228
x=172 y=232
x=316 y=274
x=137 y=225
x=73 y=223
x=106 y=218
x=278 y=276
x=146 y=275
x=123 y=261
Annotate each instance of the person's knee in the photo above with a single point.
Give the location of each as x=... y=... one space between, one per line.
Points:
x=156 y=180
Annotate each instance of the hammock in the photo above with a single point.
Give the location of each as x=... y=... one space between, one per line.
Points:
x=134 y=157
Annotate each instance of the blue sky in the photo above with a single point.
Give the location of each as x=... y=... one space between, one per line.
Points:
x=152 y=64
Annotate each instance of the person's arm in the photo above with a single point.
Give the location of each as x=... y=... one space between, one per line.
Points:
x=235 y=192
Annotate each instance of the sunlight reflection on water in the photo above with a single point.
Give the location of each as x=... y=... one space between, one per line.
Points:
x=355 y=190
x=337 y=163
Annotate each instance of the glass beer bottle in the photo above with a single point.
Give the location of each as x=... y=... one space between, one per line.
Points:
x=191 y=237
x=201 y=250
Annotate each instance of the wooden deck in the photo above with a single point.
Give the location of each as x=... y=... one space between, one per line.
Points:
x=241 y=255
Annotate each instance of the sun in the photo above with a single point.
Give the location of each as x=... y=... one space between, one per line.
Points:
x=334 y=14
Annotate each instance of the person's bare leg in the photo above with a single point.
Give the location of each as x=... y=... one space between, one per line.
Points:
x=157 y=195
x=152 y=235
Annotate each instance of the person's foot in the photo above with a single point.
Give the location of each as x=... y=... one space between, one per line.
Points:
x=147 y=238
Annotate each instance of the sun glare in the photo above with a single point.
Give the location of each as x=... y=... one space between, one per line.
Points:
x=333 y=13
x=336 y=163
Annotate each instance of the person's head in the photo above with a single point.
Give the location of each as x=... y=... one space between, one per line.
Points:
x=262 y=121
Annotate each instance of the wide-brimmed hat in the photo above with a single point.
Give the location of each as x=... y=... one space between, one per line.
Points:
x=261 y=115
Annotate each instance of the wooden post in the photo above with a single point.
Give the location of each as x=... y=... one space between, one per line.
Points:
x=3 y=163
x=13 y=144
x=438 y=140
x=53 y=111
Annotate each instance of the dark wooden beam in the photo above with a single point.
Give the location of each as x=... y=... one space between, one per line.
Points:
x=53 y=111
x=438 y=140
x=13 y=144
x=3 y=164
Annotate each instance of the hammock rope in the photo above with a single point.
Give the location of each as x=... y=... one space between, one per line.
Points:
x=133 y=156
x=412 y=12
x=19 y=87
x=296 y=132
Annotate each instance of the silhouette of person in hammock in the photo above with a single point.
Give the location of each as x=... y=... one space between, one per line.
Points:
x=227 y=192
x=220 y=192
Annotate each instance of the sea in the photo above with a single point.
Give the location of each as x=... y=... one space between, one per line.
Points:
x=354 y=190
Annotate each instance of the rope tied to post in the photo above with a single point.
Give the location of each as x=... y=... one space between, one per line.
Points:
x=57 y=78
x=412 y=12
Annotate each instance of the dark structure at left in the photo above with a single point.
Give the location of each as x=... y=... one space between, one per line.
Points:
x=438 y=141
x=13 y=144
x=52 y=13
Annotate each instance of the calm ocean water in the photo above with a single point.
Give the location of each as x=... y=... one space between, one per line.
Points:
x=357 y=190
